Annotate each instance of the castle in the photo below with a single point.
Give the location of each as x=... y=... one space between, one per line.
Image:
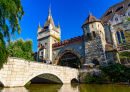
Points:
x=100 y=43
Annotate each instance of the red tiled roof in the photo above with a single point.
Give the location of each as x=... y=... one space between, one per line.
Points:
x=90 y=18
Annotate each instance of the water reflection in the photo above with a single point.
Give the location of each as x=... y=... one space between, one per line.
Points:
x=16 y=89
x=69 y=88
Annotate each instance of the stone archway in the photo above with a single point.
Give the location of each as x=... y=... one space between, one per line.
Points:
x=71 y=51
x=95 y=61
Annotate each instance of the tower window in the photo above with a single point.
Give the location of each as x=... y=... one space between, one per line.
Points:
x=92 y=26
x=89 y=36
x=41 y=53
x=94 y=34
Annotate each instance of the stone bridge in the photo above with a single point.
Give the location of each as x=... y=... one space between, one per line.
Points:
x=17 y=72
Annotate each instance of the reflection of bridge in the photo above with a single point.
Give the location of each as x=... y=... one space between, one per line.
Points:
x=17 y=72
x=49 y=88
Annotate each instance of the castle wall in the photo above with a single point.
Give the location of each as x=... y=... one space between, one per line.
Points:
x=79 y=47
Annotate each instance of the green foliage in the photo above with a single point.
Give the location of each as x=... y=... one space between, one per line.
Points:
x=93 y=79
x=128 y=18
x=11 y=12
x=116 y=72
x=21 y=49
x=3 y=51
x=124 y=55
x=27 y=84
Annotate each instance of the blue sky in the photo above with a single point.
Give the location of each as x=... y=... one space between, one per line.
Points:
x=71 y=14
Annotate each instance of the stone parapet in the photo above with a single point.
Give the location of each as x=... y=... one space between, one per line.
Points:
x=68 y=42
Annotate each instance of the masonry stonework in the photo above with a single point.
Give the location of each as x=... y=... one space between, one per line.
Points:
x=17 y=72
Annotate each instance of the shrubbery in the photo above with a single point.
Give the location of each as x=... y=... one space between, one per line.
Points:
x=116 y=72
x=93 y=78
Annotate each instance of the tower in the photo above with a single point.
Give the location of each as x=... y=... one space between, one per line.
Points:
x=46 y=36
x=94 y=36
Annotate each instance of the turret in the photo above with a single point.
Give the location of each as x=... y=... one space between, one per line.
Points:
x=94 y=37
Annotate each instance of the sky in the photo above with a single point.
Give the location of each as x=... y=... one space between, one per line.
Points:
x=71 y=15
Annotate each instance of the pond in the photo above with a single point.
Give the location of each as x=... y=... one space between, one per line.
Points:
x=69 y=88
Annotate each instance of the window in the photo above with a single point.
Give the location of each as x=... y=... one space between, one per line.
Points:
x=41 y=44
x=118 y=37
x=122 y=36
x=88 y=35
x=92 y=26
x=128 y=4
x=129 y=14
x=45 y=43
x=94 y=34
x=110 y=12
x=116 y=19
x=119 y=8
x=41 y=53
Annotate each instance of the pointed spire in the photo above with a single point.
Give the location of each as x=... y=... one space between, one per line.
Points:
x=39 y=25
x=58 y=25
x=50 y=10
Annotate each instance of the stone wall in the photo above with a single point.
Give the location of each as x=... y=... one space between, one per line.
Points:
x=94 y=50
x=17 y=72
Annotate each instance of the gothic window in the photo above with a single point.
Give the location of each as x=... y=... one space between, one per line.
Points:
x=122 y=36
x=118 y=37
x=94 y=34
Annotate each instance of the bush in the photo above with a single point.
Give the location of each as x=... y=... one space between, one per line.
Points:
x=116 y=72
x=92 y=78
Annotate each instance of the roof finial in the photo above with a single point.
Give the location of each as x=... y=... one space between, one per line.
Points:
x=50 y=9
x=90 y=12
x=39 y=25
x=58 y=25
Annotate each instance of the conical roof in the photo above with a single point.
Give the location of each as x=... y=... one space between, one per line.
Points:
x=49 y=19
x=90 y=18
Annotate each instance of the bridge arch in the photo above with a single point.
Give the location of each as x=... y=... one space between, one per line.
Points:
x=40 y=73
x=68 y=50
x=2 y=82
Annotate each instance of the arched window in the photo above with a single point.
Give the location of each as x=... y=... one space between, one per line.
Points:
x=94 y=34
x=122 y=36
x=118 y=37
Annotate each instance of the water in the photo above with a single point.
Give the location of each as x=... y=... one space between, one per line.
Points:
x=69 y=88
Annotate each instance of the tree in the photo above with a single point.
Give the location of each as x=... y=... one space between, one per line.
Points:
x=21 y=49
x=11 y=12
x=3 y=52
